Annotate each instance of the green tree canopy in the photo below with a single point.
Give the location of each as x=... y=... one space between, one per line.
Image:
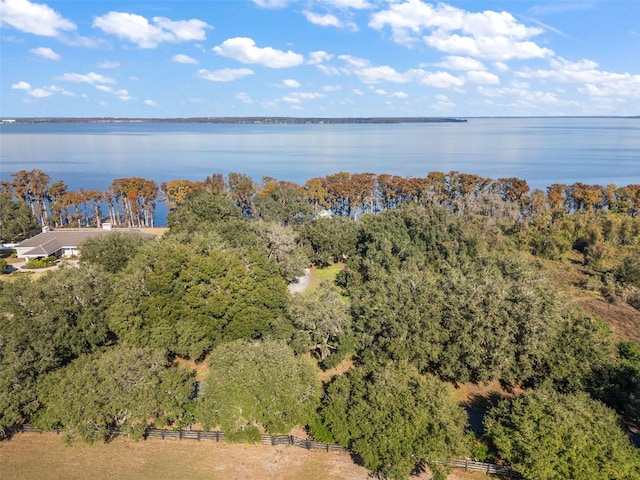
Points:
x=252 y=386
x=282 y=202
x=550 y=436
x=126 y=388
x=329 y=239
x=202 y=208
x=17 y=220
x=186 y=299
x=323 y=316
x=393 y=418
x=44 y=324
x=112 y=251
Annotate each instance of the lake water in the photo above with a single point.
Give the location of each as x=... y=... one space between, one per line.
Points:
x=541 y=151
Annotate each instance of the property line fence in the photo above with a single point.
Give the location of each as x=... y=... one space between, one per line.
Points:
x=288 y=440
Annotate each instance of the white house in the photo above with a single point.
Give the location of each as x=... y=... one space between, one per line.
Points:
x=57 y=243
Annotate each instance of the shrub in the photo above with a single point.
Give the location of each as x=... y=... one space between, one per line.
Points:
x=42 y=262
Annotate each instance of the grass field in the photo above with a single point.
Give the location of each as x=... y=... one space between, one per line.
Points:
x=36 y=456
x=319 y=275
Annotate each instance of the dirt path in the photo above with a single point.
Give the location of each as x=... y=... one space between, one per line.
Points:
x=300 y=284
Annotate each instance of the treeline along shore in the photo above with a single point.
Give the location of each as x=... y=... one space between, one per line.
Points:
x=434 y=288
x=238 y=120
x=131 y=202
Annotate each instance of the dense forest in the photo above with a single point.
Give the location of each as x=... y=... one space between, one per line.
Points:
x=444 y=281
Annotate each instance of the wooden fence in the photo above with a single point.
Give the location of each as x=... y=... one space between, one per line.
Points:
x=461 y=463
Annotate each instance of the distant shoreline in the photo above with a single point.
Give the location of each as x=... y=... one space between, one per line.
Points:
x=238 y=120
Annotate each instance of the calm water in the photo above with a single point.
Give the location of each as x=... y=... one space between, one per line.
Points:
x=540 y=150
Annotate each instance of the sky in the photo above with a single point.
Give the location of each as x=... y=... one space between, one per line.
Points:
x=319 y=58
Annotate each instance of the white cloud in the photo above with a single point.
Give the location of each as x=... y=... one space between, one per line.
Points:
x=318 y=57
x=35 y=18
x=181 y=58
x=290 y=83
x=90 y=77
x=151 y=103
x=331 y=88
x=454 y=62
x=443 y=103
x=399 y=95
x=487 y=34
x=244 y=98
x=357 y=91
x=40 y=93
x=183 y=30
x=437 y=79
x=494 y=48
x=121 y=94
x=480 y=77
x=107 y=65
x=355 y=4
x=297 y=97
x=380 y=91
x=56 y=89
x=501 y=66
x=328 y=69
x=137 y=29
x=272 y=3
x=520 y=95
x=380 y=74
x=367 y=73
x=21 y=86
x=244 y=50
x=413 y=16
x=225 y=74
x=328 y=20
x=45 y=52
x=595 y=82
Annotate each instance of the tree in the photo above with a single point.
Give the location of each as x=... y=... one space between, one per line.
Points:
x=17 y=221
x=113 y=251
x=282 y=202
x=280 y=245
x=242 y=188
x=137 y=197
x=252 y=386
x=176 y=191
x=324 y=318
x=32 y=188
x=201 y=210
x=329 y=240
x=45 y=324
x=393 y=418
x=187 y=298
x=124 y=388
x=628 y=272
x=547 y=435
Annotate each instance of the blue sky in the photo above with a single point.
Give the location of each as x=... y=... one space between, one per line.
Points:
x=321 y=58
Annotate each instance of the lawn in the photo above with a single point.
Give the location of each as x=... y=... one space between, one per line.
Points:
x=328 y=274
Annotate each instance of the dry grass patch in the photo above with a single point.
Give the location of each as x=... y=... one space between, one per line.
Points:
x=338 y=370
x=30 y=456
x=201 y=368
x=570 y=277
